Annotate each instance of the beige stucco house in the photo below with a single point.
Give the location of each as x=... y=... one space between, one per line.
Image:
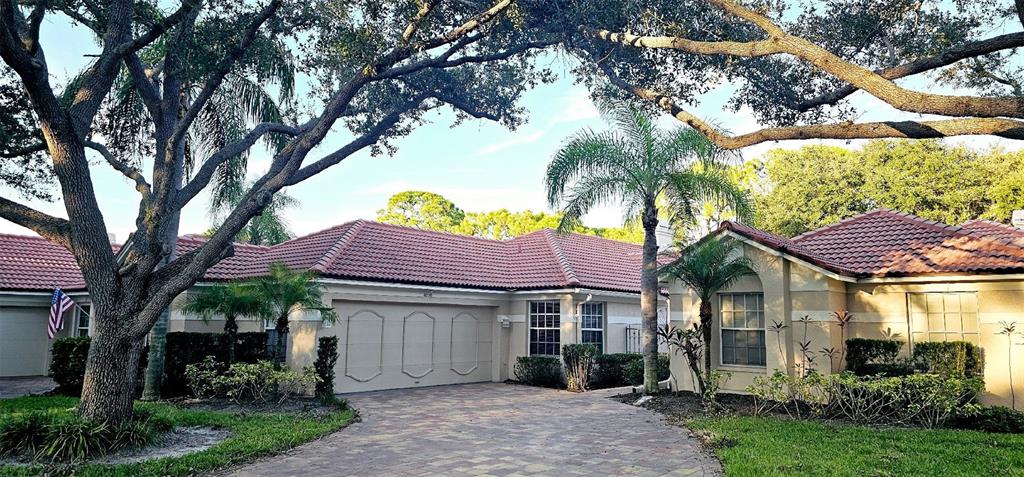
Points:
x=893 y=272
x=415 y=307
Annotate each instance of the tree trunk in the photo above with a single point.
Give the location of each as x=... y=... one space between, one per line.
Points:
x=649 y=300
x=110 y=376
x=282 y=329
x=155 y=360
x=231 y=330
x=705 y=329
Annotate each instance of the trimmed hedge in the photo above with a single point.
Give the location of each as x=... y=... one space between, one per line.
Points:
x=992 y=419
x=185 y=348
x=624 y=369
x=634 y=370
x=67 y=364
x=949 y=358
x=863 y=355
x=326 y=358
x=544 y=371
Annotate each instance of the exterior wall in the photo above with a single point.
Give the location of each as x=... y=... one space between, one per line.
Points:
x=25 y=348
x=793 y=291
x=877 y=308
x=508 y=314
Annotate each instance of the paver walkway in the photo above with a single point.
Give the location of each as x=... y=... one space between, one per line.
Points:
x=16 y=387
x=494 y=429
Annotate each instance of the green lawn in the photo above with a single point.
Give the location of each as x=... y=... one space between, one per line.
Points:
x=773 y=446
x=252 y=435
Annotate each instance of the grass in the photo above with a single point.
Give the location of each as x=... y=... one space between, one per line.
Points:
x=252 y=435
x=777 y=446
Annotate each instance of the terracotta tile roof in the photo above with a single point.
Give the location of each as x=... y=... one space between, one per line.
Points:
x=364 y=250
x=888 y=243
x=994 y=230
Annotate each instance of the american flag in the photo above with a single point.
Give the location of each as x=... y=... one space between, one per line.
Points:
x=60 y=304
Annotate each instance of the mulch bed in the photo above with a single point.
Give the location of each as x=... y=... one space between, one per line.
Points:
x=685 y=404
x=304 y=405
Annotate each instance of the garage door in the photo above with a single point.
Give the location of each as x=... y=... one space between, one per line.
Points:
x=388 y=346
x=23 y=341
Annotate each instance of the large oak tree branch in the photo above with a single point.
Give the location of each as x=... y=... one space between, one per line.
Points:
x=52 y=228
x=126 y=170
x=1007 y=128
x=221 y=71
x=859 y=77
x=921 y=65
x=205 y=173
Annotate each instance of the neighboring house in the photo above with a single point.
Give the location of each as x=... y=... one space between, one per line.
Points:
x=415 y=307
x=924 y=280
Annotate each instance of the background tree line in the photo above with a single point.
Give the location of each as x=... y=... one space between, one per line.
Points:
x=430 y=211
x=803 y=189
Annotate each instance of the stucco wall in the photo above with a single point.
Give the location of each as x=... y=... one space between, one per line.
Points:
x=793 y=291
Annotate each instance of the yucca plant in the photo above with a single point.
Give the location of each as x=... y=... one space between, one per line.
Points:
x=706 y=268
x=639 y=166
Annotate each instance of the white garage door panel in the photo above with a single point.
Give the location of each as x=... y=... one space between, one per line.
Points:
x=23 y=341
x=388 y=346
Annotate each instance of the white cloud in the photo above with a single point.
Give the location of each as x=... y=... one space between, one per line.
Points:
x=518 y=138
x=576 y=106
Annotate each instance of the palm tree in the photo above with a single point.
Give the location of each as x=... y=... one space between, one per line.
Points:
x=708 y=267
x=268 y=228
x=287 y=291
x=641 y=166
x=230 y=300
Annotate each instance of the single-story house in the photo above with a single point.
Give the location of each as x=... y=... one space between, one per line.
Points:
x=894 y=272
x=415 y=307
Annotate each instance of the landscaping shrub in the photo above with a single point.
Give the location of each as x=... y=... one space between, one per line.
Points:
x=544 y=371
x=949 y=358
x=608 y=370
x=927 y=400
x=633 y=371
x=63 y=437
x=247 y=382
x=326 y=358
x=184 y=349
x=578 y=362
x=866 y=357
x=67 y=363
x=992 y=419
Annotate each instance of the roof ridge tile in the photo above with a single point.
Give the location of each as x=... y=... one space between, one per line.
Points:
x=328 y=258
x=563 y=261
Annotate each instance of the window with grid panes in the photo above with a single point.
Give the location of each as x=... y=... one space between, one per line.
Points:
x=946 y=316
x=545 y=327
x=84 y=313
x=742 y=326
x=592 y=324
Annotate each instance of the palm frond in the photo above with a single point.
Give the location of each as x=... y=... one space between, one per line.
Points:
x=588 y=193
x=710 y=266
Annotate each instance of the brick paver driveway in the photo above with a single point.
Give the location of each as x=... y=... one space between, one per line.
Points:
x=494 y=429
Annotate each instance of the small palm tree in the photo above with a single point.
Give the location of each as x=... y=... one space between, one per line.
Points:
x=708 y=267
x=286 y=291
x=232 y=301
x=640 y=166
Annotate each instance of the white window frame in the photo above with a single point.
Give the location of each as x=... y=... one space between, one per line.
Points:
x=79 y=312
x=547 y=316
x=722 y=328
x=601 y=320
x=925 y=320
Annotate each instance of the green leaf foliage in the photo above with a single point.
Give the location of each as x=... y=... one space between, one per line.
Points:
x=816 y=186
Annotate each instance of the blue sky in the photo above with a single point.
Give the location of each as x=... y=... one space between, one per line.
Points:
x=478 y=165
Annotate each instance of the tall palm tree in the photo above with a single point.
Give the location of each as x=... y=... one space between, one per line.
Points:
x=287 y=291
x=640 y=166
x=230 y=300
x=708 y=267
